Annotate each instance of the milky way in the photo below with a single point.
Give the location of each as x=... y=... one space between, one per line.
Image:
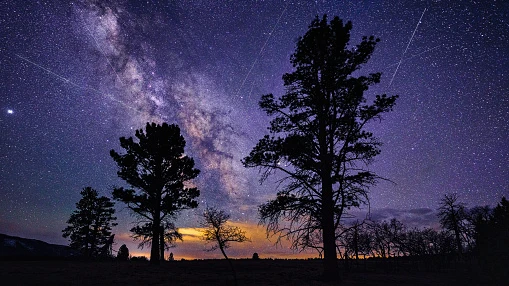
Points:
x=76 y=76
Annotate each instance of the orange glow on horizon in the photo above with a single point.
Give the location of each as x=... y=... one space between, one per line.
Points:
x=193 y=247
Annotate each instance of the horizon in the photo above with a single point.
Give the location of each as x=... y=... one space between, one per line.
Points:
x=78 y=76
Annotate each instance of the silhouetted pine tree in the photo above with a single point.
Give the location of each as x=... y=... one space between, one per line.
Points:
x=157 y=171
x=318 y=139
x=90 y=225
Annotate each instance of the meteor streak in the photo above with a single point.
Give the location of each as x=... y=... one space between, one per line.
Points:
x=66 y=80
x=261 y=50
x=101 y=50
x=408 y=45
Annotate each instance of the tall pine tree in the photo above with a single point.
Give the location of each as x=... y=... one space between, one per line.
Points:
x=158 y=173
x=318 y=139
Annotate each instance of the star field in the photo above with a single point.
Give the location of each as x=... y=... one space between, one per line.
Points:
x=76 y=76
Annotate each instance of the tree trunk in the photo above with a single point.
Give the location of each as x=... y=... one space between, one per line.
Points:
x=161 y=242
x=154 y=249
x=88 y=245
x=231 y=264
x=329 y=235
x=458 y=240
x=328 y=230
x=156 y=222
x=356 y=241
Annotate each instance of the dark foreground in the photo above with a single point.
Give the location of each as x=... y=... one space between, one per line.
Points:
x=217 y=272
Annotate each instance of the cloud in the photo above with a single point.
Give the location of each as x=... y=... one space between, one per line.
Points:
x=418 y=217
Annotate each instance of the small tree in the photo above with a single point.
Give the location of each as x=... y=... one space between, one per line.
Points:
x=90 y=225
x=157 y=170
x=123 y=253
x=318 y=139
x=220 y=233
x=452 y=215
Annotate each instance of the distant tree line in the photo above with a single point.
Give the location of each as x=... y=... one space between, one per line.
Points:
x=480 y=232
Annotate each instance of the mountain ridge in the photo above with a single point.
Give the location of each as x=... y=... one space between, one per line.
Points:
x=18 y=247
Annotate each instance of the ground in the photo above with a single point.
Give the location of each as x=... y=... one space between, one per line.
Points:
x=217 y=272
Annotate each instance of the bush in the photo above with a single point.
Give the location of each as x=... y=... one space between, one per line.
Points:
x=255 y=256
x=139 y=258
x=123 y=253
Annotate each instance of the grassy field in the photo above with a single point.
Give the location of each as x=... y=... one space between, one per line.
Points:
x=217 y=272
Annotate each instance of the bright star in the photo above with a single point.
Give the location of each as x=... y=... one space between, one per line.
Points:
x=10 y=111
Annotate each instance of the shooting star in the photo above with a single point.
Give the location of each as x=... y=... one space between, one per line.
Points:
x=101 y=50
x=68 y=81
x=408 y=45
x=261 y=50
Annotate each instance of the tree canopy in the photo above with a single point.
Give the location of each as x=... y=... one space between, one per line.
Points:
x=160 y=178
x=90 y=224
x=318 y=137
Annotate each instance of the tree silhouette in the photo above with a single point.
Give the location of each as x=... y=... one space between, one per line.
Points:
x=477 y=217
x=90 y=225
x=220 y=233
x=158 y=173
x=452 y=215
x=123 y=253
x=493 y=243
x=318 y=139
x=387 y=237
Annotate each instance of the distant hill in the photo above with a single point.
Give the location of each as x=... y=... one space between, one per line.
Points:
x=17 y=247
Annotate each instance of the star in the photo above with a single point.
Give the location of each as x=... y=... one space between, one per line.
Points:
x=82 y=88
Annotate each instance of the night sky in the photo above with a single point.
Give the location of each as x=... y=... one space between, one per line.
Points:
x=75 y=77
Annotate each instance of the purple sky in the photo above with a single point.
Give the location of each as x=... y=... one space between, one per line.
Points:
x=77 y=76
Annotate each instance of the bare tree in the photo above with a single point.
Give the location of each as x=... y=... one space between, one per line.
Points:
x=220 y=233
x=387 y=237
x=354 y=240
x=452 y=215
